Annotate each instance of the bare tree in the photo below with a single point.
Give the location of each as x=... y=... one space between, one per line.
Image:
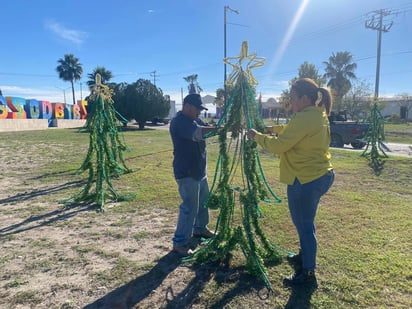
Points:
x=357 y=101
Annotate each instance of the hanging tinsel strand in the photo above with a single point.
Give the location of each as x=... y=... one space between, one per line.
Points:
x=375 y=137
x=240 y=114
x=104 y=159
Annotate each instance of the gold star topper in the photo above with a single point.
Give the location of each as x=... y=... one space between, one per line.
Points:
x=252 y=61
x=98 y=88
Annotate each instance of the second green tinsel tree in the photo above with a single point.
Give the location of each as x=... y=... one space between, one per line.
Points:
x=104 y=159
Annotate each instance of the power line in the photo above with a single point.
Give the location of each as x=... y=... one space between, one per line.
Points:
x=154 y=77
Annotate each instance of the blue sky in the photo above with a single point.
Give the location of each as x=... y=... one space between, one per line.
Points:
x=166 y=40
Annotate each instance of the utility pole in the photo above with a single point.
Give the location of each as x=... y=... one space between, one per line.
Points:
x=376 y=23
x=181 y=94
x=154 y=77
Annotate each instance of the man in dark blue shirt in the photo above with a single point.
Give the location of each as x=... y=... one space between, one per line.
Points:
x=190 y=171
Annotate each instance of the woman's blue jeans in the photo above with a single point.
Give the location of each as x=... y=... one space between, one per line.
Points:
x=193 y=216
x=303 y=203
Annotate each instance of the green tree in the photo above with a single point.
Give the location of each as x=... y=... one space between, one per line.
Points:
x=357 y=102
x=193 y=86
x=309 y=70
x=104 y=73
x=305 y=70
x=340 y=70
x=119 y=101
x=70 y=70
x=143 y=101
x=220 y=96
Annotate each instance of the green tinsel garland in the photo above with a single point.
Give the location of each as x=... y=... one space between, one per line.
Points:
x=240 y=114
x=375 y=138
x=104 y=158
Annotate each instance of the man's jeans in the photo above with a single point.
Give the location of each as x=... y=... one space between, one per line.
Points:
x=193 y=216
x=303 y=203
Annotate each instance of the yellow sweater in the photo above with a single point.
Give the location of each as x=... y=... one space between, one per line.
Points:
x=303 y=146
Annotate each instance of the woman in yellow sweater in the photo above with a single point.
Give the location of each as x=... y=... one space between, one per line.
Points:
x=305 y=166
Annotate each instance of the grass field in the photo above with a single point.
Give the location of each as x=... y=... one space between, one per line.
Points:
x=398 y=133
x=55 y=257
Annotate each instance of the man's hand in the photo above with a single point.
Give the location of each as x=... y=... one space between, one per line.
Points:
x=251 y=134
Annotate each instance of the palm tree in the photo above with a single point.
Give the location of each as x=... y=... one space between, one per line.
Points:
x=340 y=70
x=193 y=84
x=104 y=73
x=70 y=70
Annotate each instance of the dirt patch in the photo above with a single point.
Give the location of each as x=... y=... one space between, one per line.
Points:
x=53 y=256
x=56 y=257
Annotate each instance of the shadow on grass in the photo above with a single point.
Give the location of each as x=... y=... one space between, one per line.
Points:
x=138 y=289
x=132 y=293
x=21 y=197
x=45 y=219
x=240 y=282
x=300 y=295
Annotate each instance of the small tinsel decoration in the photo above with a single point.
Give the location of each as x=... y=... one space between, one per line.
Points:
x=375 y=137
x=104 y=158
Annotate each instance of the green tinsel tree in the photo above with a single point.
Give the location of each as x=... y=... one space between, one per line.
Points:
x=239 y=162
x=375 y=137
x=104 y=159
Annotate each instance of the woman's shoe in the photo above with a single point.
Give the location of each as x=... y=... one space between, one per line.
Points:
x=303 y=277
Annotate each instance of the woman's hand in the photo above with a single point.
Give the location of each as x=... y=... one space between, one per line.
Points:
x=251 y=134
x=268 y=130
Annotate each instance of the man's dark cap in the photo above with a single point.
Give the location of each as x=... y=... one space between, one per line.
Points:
x=194 y=99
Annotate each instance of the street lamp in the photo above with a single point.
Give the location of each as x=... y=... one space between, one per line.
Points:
x=81 y=92
x=226 y=8
x=64 y=92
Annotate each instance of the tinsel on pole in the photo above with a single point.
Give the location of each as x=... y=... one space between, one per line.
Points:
x=239 y=178
x=376 y=135
x=104 y=159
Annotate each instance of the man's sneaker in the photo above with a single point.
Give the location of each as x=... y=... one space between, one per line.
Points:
x=303 y=277
x=183 y=250
x=295 y=259
x=206 y=234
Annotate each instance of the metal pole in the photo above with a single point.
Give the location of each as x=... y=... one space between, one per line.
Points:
x=224 y=54
x=378 y=58
x=224 y=48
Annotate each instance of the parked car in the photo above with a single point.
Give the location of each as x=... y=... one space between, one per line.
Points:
x=344 y=132
x=157 y=120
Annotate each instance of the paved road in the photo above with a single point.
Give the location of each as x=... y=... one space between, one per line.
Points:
x=391 y=149
x=395 y=149
x=399 y=149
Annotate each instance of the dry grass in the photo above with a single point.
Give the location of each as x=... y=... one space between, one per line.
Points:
x=55 y=257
